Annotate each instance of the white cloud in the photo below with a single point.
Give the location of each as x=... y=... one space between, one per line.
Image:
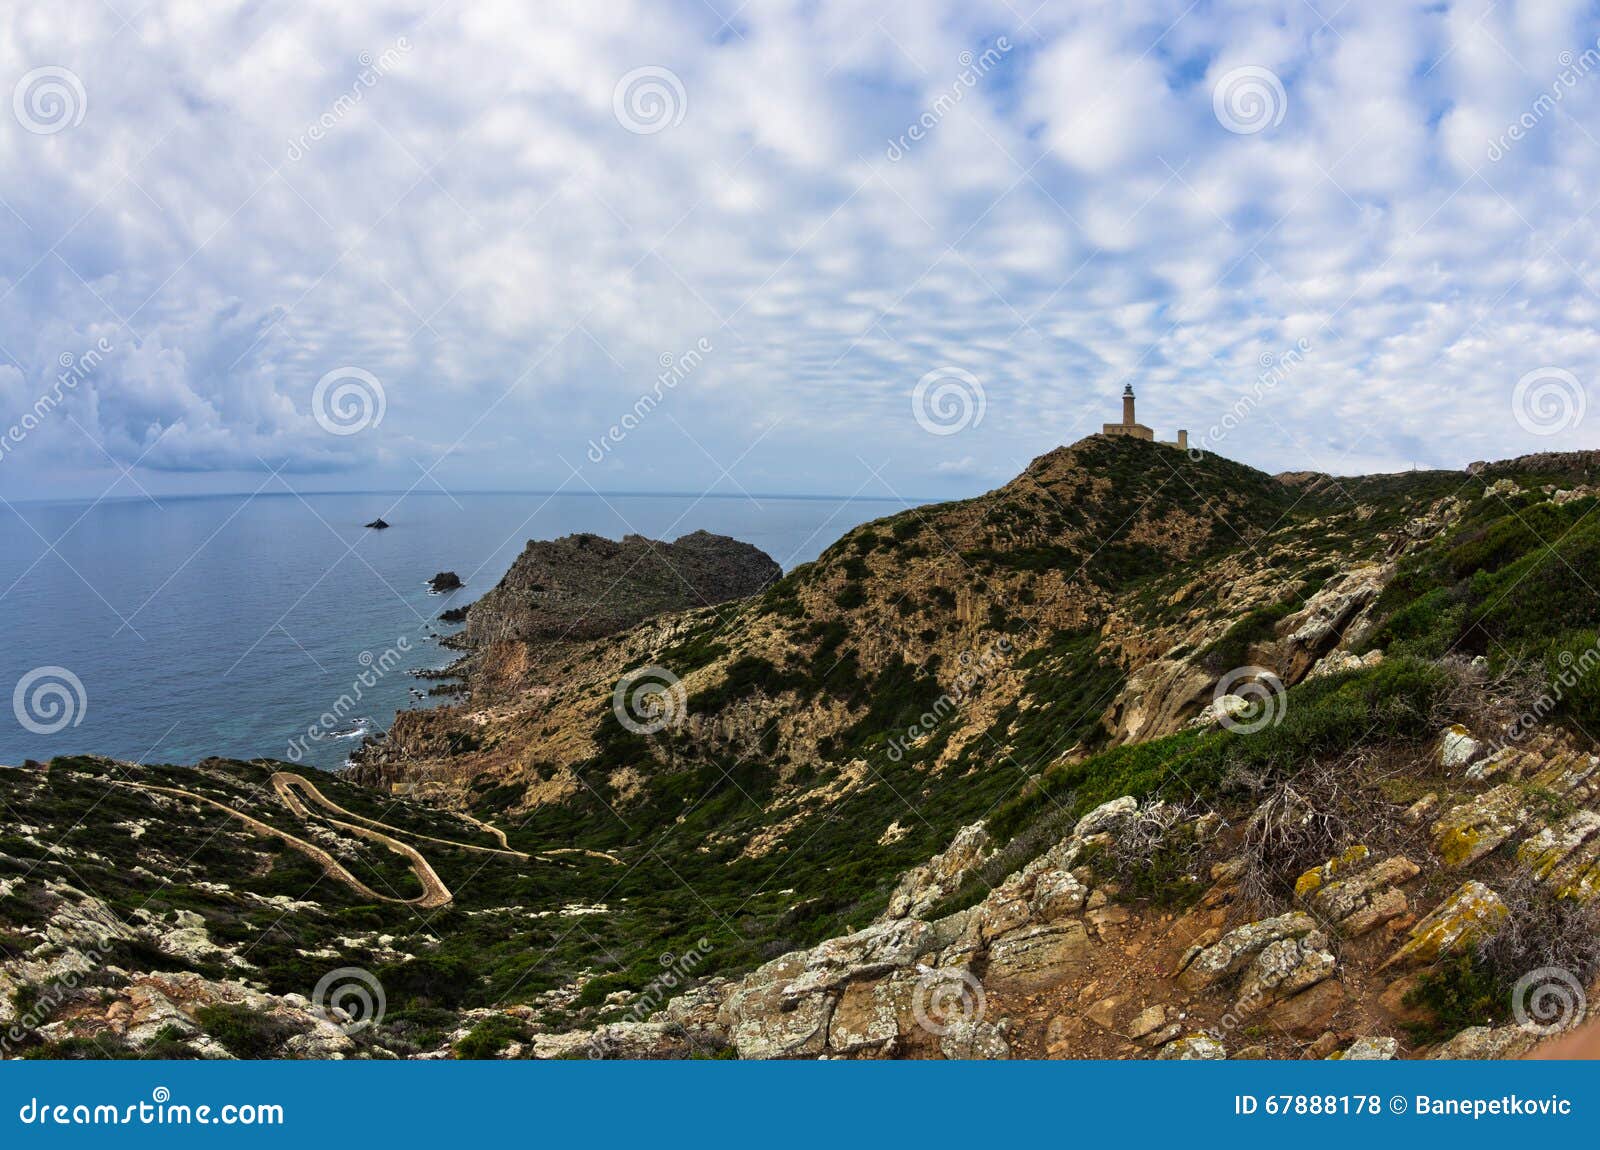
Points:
x=476 y=229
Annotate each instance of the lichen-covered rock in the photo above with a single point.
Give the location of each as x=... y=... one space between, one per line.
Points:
x=1471 y=913
x=1316 y=878
x=1193 y=1048
x=975 y=1039
x=1370 y=1050
x=1339 y=660
x=1326 y=618
x=1468 y=832
x=763 y=1021
x=1283 y=969
x=1362 y=897
x=1457 y=748
x=1057 y=893
x=1567 y=855
x=871 y=1015
x=1235 y=950
x=1157 y=697
x=1479 y=1042
x=882 y=947
x=1106 y=817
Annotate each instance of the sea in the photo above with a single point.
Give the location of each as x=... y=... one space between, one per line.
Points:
x=167 y=630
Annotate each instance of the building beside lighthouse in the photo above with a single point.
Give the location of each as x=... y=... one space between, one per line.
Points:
x=1133 y=429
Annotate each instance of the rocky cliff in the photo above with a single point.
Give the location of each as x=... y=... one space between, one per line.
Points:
x=586 y=586
x=1138 y=756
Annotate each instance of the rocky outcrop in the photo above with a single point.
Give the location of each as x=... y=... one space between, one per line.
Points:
x=586 y=586
x=923 y=887
x=1355 y=896
x=1467 y=916
x=444 y=581
x=1327 y=617
x=1158 y=698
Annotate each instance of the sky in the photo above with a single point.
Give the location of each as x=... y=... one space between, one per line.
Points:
x=772 y=247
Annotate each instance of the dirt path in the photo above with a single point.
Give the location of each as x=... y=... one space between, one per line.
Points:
x=434 y=892
x=286 y=784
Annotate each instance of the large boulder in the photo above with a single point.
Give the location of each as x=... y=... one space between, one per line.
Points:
x=1234 y=951
x=1036 y=957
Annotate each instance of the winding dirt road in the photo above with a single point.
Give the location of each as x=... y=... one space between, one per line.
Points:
x=434 y=892
x=295 y=791
x=286 y=784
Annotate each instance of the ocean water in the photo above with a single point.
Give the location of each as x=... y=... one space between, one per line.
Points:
x=230 y=625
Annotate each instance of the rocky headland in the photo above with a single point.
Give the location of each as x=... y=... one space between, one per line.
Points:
x=1139 y=756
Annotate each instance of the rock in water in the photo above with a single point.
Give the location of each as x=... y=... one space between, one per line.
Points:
x=444 y=581
x=378 y=524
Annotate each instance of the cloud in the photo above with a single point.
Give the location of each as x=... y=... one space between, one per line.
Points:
x=449 y=200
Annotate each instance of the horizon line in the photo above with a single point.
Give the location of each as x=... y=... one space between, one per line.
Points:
x=747 y=496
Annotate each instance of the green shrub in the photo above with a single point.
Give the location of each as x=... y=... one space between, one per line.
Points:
x=1458 y=992
x=1572 y=663
x=245 y=1033
x=491 y=1036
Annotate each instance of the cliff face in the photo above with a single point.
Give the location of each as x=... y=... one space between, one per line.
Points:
x=586 y=586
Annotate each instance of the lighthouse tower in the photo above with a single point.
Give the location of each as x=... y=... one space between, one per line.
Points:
x=1130 y=426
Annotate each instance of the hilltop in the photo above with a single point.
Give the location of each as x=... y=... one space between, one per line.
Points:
x=1013 y=738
